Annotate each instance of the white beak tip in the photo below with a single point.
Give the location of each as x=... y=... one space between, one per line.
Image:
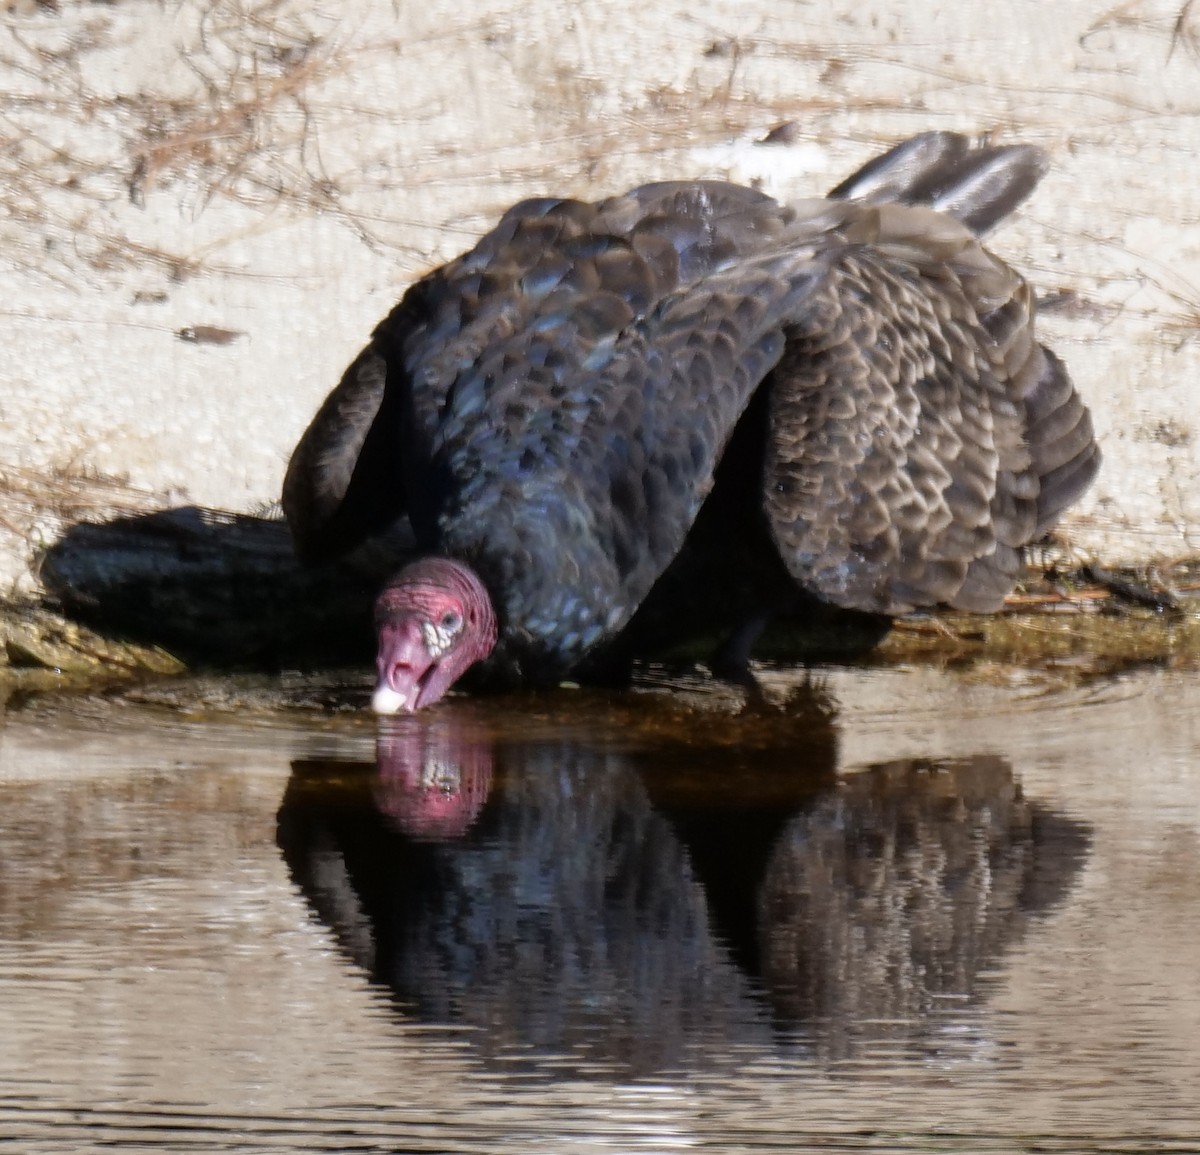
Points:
x=385 y=700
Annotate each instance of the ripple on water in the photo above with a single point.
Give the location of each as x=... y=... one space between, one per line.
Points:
x=899 y=911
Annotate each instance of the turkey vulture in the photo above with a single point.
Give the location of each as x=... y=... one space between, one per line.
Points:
x=551 y=411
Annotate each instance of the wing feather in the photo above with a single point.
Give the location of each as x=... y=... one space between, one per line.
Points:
x=917 y=427
x=341 y=485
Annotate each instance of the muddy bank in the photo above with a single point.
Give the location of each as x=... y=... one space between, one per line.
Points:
x=194 y=591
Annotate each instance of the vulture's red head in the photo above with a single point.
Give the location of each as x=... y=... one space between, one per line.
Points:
x=434 y=619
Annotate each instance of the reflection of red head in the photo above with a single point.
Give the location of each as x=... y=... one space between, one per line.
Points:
x=433 y=779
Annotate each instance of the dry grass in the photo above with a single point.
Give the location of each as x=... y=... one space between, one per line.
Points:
x=230 y=119
x=238 y=113
x=253 y=69
x=1183 y=319
x=35 y=505
x=1182 y=31
x=71 y=492
x=242 y=108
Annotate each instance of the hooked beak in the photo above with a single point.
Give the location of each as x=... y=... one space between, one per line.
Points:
x=403 y=664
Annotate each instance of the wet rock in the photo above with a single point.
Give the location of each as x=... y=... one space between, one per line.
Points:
x=35 y=638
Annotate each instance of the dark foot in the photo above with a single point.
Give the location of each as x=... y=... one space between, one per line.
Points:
x=732 y=661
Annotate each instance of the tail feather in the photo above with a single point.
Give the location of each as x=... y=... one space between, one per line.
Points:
x=977 y=186
x=890 y=176
x=1064 y=486
x=1061 y=442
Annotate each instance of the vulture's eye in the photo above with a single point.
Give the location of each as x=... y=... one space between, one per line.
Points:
x=451 y=621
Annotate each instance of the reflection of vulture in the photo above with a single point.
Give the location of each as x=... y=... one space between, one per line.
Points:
x=886 y=903
x=567 y=920
x=846 y=396
x=647 y=909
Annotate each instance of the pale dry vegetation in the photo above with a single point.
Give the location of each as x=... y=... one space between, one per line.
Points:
x=252 y=102
x=227 y=115
x=241 y=107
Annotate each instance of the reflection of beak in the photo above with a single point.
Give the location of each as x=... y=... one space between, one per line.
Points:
x=403 y=664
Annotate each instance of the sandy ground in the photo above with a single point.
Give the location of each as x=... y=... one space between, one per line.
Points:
x=265 y=177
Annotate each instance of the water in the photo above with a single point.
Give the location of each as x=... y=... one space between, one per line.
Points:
x=891 y=911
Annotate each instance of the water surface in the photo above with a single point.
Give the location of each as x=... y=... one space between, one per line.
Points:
x=878 y=910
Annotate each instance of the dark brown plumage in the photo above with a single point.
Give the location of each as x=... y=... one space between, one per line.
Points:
x=550 y=409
